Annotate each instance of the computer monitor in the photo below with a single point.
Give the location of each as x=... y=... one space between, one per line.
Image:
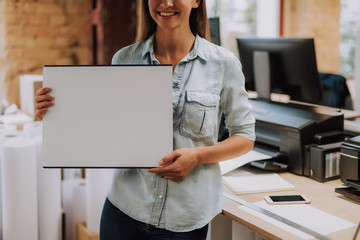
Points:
x=214 y=25
x=292 y=65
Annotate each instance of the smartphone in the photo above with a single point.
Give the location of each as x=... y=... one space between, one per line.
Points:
x=287 y=199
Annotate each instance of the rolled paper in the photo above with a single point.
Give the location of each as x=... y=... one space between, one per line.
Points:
x=79 y=205
x=4 y=128
x=19 y=198
x=74 y=203
x=33 y=129
x=98 y=184
x=72 y=173
x=49 y=197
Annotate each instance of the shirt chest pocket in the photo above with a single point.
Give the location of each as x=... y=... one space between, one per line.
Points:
x=200 y=115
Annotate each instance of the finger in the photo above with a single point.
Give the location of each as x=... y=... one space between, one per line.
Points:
x=43 y=91
x=45 y=97
x=172 y=168
x=44 y=104
x=159 y=170
x=40 y=113
x=169 y=158
x=169 y=172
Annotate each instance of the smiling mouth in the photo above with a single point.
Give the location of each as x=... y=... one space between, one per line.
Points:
x=167 y=14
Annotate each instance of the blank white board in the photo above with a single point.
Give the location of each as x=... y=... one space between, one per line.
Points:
x=108 y=116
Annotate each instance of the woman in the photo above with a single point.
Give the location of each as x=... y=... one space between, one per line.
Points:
x=178 y=199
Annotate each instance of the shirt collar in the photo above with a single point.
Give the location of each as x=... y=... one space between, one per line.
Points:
x=148 y=46
x=198 y=49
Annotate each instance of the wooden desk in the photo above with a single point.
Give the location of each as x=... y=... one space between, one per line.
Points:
x=322 y=196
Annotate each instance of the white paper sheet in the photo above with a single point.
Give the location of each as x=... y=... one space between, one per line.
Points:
x=303 y=214
x=229 y=165
x=98 y=183
x=19 y=199
x=242 y=181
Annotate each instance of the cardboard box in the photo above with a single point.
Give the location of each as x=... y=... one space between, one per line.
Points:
x=84 y=234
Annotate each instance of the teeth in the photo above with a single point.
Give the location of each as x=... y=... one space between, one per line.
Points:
x=166 y=14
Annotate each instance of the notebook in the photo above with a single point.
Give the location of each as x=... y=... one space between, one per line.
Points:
x=242 y=181
x=108 y=116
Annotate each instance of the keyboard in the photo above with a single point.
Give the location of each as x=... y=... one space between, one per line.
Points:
x=349 y=192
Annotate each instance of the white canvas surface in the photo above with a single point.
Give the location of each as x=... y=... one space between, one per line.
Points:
x=108 y=116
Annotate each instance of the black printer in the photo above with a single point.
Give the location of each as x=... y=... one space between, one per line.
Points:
x=287 y=128
x=350 y=159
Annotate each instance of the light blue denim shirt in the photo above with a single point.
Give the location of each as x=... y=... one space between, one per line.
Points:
x=206 y=83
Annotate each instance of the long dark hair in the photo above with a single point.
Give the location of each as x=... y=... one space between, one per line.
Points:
x=199 y=23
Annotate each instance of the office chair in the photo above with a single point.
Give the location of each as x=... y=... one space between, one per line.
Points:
x=335 y=92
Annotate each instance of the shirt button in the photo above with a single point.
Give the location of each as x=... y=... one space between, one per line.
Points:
x=160 y=196
x=175 y=84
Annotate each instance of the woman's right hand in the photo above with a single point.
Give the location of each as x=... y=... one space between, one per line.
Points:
x=42 y=101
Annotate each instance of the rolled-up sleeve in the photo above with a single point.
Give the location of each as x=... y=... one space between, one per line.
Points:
x=234 y=101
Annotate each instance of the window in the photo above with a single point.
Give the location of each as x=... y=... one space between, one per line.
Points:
x=237 y=19
x=244 y=18
x=349 y=25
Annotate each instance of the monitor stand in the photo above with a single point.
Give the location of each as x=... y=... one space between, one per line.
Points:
x=262 y=87
x=262 y=74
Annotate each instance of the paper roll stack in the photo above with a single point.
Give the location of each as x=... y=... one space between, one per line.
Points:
x=4 y=129
x=49 y=195
x=33 y=129
x=79 y=205
x=74 y=204
x=19 y=185
x=71 y=173
x=98 y=184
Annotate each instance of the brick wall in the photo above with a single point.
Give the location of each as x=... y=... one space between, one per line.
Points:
x=318 y=19
x=2 y=54
x=34 y=33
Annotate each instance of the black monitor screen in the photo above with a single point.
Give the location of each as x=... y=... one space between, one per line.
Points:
x=293 y=69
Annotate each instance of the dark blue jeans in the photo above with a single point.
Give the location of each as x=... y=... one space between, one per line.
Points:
x=116 y=225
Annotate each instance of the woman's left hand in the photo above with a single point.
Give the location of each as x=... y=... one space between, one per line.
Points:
x=178 y=164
